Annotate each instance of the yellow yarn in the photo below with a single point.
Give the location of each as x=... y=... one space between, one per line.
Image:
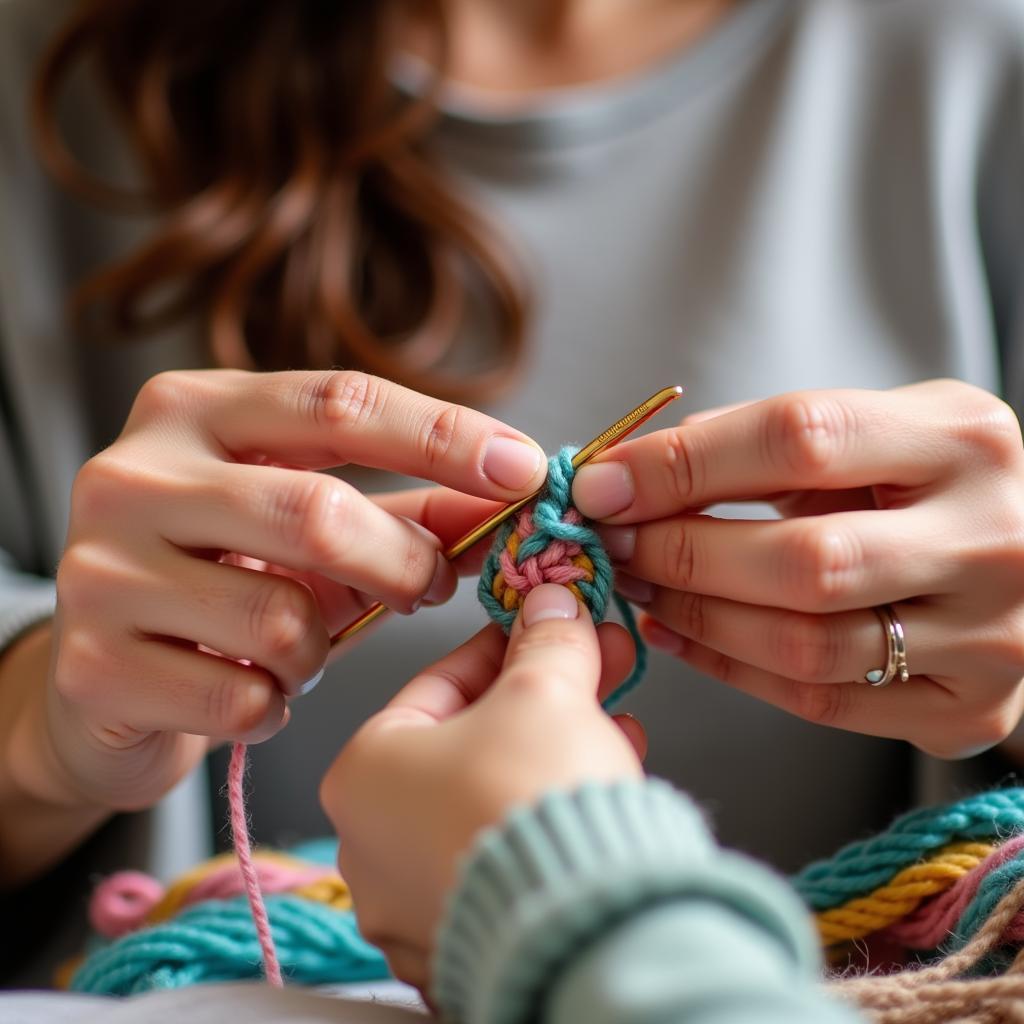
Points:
x=900 y=896
x=330 y=889
x=511 y=599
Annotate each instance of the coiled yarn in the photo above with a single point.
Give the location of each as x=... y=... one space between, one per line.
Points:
x=200 y=928
x=942 y=888
x=550 y=542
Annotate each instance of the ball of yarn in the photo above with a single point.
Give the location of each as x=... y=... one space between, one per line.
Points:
x=550 y=542
x=200 y=928
x=216 y=940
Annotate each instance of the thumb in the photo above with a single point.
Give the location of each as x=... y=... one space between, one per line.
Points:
x=553 y=645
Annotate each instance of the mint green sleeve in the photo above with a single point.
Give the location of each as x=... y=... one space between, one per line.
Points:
x=613 y=905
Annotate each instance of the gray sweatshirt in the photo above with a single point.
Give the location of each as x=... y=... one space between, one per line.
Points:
x=820 y=193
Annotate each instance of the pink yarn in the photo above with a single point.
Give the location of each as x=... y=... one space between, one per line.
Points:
x=120 y=903
x=933 y=922
x=227 y=881
x=243 y=850
x=552 y=565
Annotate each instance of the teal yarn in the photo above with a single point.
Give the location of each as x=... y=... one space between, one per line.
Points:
x=216 y=941
x=555 y=525
x=862 y=866
x=323 y=851
x=994 y=886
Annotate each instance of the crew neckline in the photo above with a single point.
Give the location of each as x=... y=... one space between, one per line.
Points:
x=579 y=114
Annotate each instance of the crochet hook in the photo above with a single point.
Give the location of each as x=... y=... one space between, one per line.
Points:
x=605 y=440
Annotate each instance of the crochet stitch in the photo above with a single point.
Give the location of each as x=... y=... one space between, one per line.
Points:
x=550 y=542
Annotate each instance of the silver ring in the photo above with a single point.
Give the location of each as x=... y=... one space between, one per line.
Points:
x=896 y=647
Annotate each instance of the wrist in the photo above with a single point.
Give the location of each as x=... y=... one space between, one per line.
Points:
x=36 y=789
x=554 y=877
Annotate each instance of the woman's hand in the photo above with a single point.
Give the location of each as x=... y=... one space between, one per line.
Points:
x=466 y=740
x=913 y=497
x=206 y=567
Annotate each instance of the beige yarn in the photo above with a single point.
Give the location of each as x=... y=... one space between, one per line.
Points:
x=939 y=994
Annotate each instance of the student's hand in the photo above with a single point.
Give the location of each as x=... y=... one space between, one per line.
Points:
x=912 y=497
x=481 y=731
x=206 y=566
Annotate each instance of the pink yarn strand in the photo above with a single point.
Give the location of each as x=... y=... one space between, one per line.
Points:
x=243 y=850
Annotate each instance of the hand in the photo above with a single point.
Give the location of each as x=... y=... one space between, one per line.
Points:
x=913 y=497
x=206 y=567
x=465 y=741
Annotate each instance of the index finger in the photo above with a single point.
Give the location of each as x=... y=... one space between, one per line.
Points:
x=316 y=419
x=810 y=440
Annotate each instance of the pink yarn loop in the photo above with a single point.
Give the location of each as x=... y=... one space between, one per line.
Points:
x=933 y=922
x=552 y=565
x=228 y=881
x=120 y=903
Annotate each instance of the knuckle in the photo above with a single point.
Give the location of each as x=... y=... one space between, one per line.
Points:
x=690 y=616
x=417 y=568
x=439 y=433
x=75 y=575
x=684 y=466
x=309 y=515
x=821 y=565
x=343 y=399
x=821 y=703
x=988 y=429
x=808 y=648
x=166 y=393
x=233 y=710
x=80 y=669
x=720 y=666
x=681 y=555
x=803 y=434
x=280 y=615
x=99 y=485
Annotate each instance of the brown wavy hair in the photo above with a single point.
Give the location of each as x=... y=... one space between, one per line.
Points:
x=300 y=214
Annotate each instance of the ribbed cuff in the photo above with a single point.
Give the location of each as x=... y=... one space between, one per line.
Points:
x=537 y=888
x=23 y=609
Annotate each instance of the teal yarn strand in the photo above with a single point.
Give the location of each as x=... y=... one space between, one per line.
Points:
x=216 y=941
x=554 y=519
x=862 y=866
x=993 y=888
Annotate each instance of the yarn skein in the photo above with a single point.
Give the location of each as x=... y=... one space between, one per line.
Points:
x=550 y=542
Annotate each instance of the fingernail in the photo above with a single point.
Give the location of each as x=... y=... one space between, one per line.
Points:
x=619 y=541
x=310 y=684
x=440 y=588
x=633 y=589
x=663 y=638
x=511 y=464
x=603 y=490
x=549 y=601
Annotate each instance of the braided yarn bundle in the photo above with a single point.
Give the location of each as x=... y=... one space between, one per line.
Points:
x=550 y=542
x=200 y=928
x=943 y=889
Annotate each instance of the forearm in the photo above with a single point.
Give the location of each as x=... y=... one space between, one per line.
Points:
x=41 y=818
x=613 y=905
x=694 y=961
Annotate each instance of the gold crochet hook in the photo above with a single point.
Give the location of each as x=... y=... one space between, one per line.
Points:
x=605 y=440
